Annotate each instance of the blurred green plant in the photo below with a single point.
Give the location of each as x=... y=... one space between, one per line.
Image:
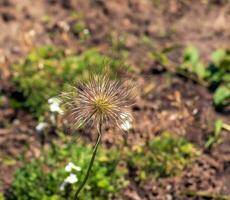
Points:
x=162 y=56
x=43 y=178
x=1 y=100
x=165 y=155
x=48 y=70
x=215 y=136
x=79 y=29
x=192 y=63
x=216 y=76
x=2 y=196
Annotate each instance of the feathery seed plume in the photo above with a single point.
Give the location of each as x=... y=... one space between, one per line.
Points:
x=99 y=100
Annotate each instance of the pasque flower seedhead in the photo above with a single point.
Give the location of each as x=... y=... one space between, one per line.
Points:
x=99 y=99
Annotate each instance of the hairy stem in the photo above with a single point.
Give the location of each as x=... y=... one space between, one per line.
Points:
x=91 y=162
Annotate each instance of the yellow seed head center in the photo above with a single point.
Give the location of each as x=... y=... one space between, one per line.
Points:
x=102 y=104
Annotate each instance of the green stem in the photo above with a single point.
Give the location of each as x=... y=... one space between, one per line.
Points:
x=91 y=162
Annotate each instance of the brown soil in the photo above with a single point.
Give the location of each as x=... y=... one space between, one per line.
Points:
x=165 y=103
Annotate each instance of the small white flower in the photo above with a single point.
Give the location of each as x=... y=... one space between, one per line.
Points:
x=72 y=166
x=71 y=179
x=127 y=123
x=86 y=31
x=41 y=126
x=55 y=105
x=62 y=186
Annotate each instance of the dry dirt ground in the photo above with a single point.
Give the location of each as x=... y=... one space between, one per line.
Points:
x=165 y=103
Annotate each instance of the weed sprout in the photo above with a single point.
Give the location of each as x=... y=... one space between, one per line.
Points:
x=96 y=102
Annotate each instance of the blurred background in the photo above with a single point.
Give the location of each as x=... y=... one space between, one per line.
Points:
x=177 y=54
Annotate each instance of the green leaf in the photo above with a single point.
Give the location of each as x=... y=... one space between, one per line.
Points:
x=222 y=96
x=218 y=56
x=210 y=142
x=200 y=70
x=214 y=137
x=191 y=54
x=2 y=196
x=218 y=127
x=226 y=77
x=54 y=197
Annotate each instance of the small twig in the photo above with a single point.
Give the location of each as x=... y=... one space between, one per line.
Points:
x=205 y=195
x=91 y=162
x=226 y=127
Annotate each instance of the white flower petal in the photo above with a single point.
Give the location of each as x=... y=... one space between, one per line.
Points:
x=127 y=124
x=77 y=168
x=41 y=126
x=70 y=166
x=62 y=186
x=71 y=179
x=55 y=105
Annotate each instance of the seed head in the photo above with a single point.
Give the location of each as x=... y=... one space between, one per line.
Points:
x=100 y=100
